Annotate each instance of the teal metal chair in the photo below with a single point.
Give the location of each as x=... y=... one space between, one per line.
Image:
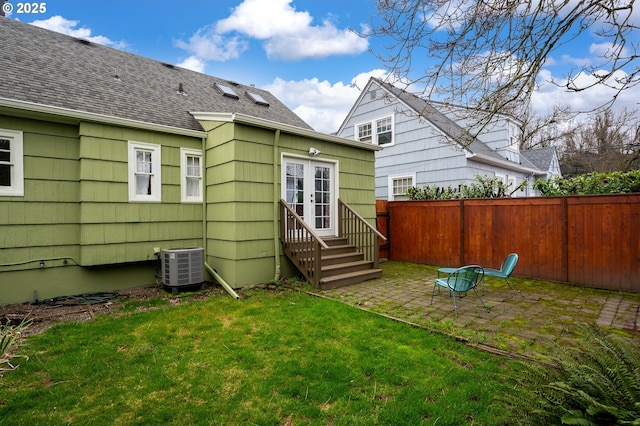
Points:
x=507 y=267
x=461 y=280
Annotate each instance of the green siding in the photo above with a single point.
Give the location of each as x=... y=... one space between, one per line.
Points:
x=57 y=279
x=44 y=223
x=240 y=195
x=76 y=215
x=76 y=211
x=114 y=230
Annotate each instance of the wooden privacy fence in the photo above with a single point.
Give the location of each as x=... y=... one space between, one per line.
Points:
x=591 y=241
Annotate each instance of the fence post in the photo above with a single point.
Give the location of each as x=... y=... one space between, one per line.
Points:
x=462 y=229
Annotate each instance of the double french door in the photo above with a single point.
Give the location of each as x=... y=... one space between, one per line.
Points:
x=309 y=188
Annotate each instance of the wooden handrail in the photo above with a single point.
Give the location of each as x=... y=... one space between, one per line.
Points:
x=359 y=232
x=301 y=244
x=367 y=224
x=302 y=223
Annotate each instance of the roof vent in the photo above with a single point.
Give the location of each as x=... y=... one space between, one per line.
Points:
x=226 y=91
x=170 y=66
x=180 y=90
x=257 y=98
x=83 y=41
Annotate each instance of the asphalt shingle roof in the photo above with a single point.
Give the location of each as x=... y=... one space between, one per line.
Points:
x=48 y=68
x=540 y=157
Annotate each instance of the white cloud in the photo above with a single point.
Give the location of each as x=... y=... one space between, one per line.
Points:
x=286 y=33
x=65 y=26
x=263 y=19
x=549 y=94
x=323 y=105
x=206 y=44
x=316 y=42
x=193 y=63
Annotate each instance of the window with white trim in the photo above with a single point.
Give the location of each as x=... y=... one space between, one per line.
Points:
x=11 y=164
x=144 y=172
x=399 y=186
x=364 y=132
x=191 y=175
x=384 y=132
x=377 y=132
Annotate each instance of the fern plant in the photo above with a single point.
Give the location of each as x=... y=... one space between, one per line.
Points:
x=597 y=382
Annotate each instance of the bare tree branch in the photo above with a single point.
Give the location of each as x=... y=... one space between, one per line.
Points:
x=487 y=54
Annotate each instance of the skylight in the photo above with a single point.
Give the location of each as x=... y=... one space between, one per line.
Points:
x=257 y=98
x=227 y=91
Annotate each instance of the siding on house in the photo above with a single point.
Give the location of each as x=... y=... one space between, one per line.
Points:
x=80 y=226
x=423 y=149
x=242 y=199
x=45 y=223
x=116 y=230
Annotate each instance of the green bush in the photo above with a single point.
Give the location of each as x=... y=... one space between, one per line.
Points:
x=593 y=183
x=596 y=382
x=485 y=187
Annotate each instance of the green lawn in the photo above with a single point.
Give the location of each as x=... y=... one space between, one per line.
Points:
x=274 y=358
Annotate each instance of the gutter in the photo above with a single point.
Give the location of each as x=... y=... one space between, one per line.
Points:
x=268 y=124
x=480 y=158
x=67 y=113
x=212 y=271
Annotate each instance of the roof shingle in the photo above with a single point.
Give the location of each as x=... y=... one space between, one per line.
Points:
x=48 y=68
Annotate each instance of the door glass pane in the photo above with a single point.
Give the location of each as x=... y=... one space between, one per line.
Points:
x=322 y=197
x=295 y=187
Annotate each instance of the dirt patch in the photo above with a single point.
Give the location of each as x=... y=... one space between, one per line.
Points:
x=83 y=308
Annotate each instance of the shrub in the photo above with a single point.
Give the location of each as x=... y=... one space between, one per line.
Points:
x=593 y=183
x=485 y=187
x=597 y=382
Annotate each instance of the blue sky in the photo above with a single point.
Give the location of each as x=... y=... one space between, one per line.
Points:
x=300 y=50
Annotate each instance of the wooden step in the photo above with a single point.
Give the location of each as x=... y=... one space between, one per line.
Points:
x=332 y=259
x=328 y=283
x=337 y=249
x=335 y=241
x=346 y=267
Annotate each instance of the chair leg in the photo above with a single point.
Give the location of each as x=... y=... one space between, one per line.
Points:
x=513 y=286
x=433 y=292
x=455 y=308
x=481 y=301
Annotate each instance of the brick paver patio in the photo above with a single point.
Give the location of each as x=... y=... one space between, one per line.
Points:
x=548 y=311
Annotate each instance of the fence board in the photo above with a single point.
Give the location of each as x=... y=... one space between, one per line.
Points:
x=591 y=241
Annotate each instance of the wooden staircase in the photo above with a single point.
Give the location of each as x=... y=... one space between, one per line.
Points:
x=331 y=262
x=342 y=264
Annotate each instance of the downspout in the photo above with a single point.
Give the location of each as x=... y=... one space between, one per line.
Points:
x=276 y=205
x=212 y=271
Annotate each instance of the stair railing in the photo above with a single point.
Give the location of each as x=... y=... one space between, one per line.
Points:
x=359 y=233
x=300 y=243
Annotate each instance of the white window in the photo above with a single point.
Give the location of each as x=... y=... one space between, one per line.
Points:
x=399 y=186
x=144 y=172
x=378 y=132
x=191 y=175
x=384 y=131
x=364 y=132
x=11 y=164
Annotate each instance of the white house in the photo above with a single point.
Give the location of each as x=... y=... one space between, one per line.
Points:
x=427 y=143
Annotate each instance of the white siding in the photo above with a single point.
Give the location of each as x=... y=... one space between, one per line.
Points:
x=421 y=148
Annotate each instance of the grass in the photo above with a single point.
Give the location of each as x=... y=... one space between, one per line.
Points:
x=274 y=358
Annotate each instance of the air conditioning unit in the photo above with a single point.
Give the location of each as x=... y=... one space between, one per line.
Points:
x=182 y=267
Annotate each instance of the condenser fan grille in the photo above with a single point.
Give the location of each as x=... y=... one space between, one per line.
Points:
x=182 y=267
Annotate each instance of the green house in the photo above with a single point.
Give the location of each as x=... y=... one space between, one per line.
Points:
x=108 y=158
